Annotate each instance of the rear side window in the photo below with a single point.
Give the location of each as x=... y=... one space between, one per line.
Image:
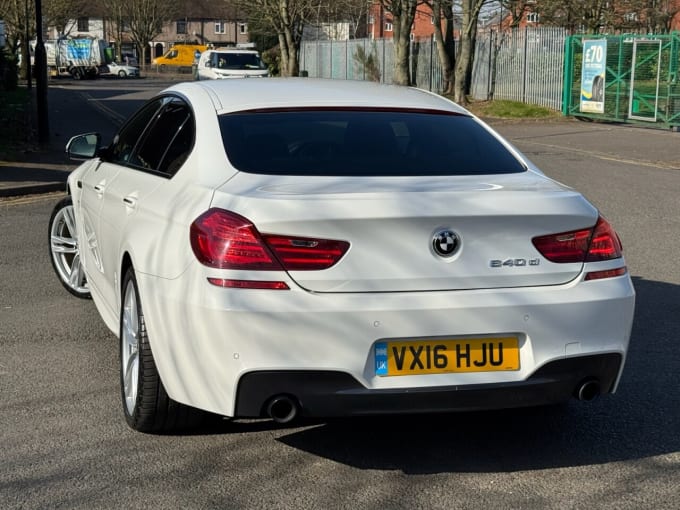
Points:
x=167 y=143
x=336 y=142
x=125 y=141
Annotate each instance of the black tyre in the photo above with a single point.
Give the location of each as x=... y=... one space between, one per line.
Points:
x=146 y=404
x=65 y=250
x=598 y=89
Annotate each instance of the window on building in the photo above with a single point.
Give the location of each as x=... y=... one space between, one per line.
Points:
x=83 y=24
x=243 y=28
x=182 y=27
x=630 y=17
x=371 y=20
x=532 y=17
x=220 y=27
x=388 y=26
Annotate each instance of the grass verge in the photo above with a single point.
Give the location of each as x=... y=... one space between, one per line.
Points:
x=501 y=109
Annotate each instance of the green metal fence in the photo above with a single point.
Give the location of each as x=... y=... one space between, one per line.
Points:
x=626 y=78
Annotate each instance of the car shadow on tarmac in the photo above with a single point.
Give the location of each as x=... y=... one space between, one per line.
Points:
x=641 y=420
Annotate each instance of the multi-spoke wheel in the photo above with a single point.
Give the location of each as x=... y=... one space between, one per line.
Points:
x=64 y=249
x=146 y=404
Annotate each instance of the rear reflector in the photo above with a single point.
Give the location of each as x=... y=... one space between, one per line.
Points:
x=248 y=284
x=587 y=245
x=226 y=240
x=610 y=273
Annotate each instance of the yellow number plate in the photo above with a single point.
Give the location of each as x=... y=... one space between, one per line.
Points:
x=442 y=356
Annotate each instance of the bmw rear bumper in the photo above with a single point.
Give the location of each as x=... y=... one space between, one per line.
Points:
x=324 y=394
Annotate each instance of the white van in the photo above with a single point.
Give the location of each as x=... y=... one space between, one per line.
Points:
x=222 y=63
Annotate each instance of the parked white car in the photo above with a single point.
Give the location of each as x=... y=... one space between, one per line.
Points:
x=291 y=247
x=122 y=70
x=223 y=63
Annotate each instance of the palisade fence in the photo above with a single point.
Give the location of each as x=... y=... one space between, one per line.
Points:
x=521 y=65
x=524 y=64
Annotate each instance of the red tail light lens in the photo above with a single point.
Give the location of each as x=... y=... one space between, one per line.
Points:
x=304 y=254
x=605 y=244
x=587 y=245
x=225 y=240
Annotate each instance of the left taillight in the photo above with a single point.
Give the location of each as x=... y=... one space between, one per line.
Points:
x=226 y=240
x=594 y=244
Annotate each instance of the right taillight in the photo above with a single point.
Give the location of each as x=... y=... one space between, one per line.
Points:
x=226 y=240
x=587 y=245
x=605 y=244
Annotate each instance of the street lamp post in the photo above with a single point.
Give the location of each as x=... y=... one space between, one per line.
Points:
x=27 y=46
x=41 y=76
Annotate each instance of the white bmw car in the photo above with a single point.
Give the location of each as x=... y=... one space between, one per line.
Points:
x=298 y=247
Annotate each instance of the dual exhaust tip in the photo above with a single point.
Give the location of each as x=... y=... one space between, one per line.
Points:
x=285 y=408
x=588 y=390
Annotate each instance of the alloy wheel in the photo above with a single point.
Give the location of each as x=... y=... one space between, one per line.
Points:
x=129 y=343
x=65 y=250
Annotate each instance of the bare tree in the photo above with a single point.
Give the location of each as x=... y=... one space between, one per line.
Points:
x=578 y=15
x=146 y=18
x=59 y=13
x=116 y=18
x=356 y=12
x=286 y=18
x=515 y=11
x=658 y=15
x=20 y=27
x=331 y=13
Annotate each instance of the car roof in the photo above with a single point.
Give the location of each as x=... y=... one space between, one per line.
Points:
x=229 y=49
x=263 y=93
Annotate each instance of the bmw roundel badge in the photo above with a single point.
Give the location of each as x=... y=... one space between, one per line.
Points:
x=445 y=243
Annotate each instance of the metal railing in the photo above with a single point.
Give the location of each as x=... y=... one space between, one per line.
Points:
x=522 y=65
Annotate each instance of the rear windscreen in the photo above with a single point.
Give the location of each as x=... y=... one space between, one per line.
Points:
x=337 y=142
x=239 y=61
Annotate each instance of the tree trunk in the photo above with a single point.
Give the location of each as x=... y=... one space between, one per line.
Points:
x=446 y=46
x=462 y=62
x=403 y=13
x=292 y=51
x=402 y=52
x=283 y=48
x=470 y=16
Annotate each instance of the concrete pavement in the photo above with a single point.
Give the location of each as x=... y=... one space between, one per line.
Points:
x=42 y=169
x=72 y=110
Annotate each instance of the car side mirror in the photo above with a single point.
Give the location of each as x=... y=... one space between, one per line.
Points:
x=82 y=147
x=208 y=64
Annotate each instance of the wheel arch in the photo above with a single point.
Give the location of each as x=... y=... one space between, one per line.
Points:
x=125 y=264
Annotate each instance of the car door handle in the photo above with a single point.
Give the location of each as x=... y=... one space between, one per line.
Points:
x=130 y=201
x=99 y=188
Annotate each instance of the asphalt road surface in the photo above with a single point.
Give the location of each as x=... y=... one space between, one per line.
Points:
x=64 y=442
